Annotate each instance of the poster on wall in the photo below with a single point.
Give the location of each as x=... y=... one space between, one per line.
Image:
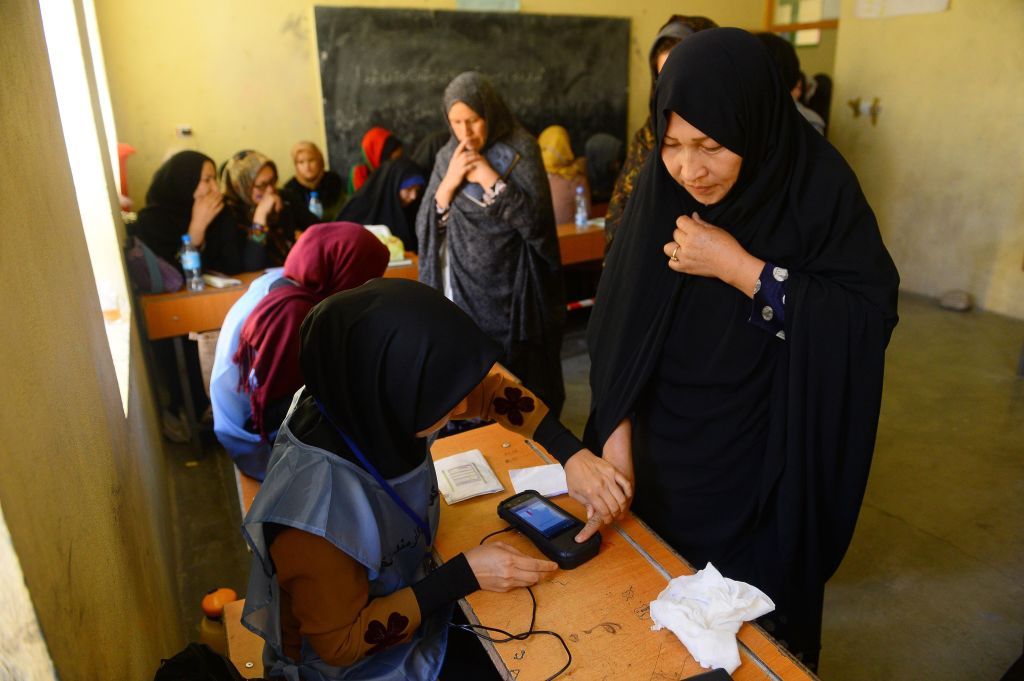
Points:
x=877 y=9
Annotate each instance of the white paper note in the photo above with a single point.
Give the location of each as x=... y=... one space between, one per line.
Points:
x=548 y=480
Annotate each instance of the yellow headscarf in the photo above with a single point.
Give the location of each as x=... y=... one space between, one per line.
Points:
x=556 y=151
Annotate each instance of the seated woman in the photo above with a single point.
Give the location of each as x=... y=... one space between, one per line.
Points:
x=249 y=183
x=675 y=30
x=604 y=161
x=566 y=173
x=487 y=235
x=255 y=367
x=738 y=341
x=183 y=198
x=390 y=197
x=344 y=522
x=311 y=176
x=378 y=145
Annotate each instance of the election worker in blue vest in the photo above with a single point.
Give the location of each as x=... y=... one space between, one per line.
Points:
x=342 y=528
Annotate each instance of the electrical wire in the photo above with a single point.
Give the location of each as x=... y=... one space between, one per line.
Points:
x=508 y=637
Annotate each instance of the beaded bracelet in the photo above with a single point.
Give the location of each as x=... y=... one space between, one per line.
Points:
x=258 y=233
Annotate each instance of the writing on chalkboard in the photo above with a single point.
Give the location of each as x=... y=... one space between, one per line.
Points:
x=390 y=68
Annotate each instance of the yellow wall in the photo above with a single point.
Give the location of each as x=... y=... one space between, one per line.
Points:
x=944 y=168
x=83 y=488
x=821 y=57
x=245 y=73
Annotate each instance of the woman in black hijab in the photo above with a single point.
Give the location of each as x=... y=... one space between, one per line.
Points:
x=750 y=425
x=343 y=524
x=183 y=198
x=675 y=30
x=426 y=151
x=391 y=196
x=487 y=234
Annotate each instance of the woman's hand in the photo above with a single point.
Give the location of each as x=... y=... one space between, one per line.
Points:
x=480 y=170
x=704 y=250
x=618 y=450
x=466 y=164
x=204 y=210
x=500 y=567
x=268 y=205
x=603 y=490
x=453 y=177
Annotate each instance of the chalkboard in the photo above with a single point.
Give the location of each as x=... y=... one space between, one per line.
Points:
x=390 y=68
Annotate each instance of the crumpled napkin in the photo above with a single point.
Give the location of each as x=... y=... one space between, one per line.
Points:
x=705 y=610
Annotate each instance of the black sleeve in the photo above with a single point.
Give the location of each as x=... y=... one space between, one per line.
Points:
x=254 y=255
x=446 y=584
x=228 y=248
x=557 y=439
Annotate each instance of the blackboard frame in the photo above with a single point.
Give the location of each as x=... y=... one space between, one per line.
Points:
x=389 y=67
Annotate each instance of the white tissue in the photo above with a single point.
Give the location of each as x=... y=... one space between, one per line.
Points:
x=548 y=480
x=705 y=610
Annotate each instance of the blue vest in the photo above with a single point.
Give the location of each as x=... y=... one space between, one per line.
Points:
x=319 y=492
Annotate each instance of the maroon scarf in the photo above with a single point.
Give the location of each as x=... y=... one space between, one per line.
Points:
x=328 y=258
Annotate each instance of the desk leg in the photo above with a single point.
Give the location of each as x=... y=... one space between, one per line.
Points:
x=186 y=394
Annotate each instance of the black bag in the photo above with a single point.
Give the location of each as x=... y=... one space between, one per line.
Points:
x=197 y=662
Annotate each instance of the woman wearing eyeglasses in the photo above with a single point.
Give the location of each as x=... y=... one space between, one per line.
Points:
x=249 y=183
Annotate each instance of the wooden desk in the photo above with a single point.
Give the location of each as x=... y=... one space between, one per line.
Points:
x=177 y=314
x=600 y=608
x=580 y=245
x=245 y=649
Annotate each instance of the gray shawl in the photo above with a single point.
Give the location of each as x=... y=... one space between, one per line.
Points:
x=504 y=259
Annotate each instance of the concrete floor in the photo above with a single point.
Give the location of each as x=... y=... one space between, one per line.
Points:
x=933 y=585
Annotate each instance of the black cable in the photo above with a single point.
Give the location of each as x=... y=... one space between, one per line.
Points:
x=488 y=536
x=471 y=628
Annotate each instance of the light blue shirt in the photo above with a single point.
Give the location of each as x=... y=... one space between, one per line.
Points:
x=231 y=408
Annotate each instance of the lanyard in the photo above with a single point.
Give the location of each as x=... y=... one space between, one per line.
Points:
x=372 y=470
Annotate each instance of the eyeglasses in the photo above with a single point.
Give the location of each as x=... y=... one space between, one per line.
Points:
x=263 y=186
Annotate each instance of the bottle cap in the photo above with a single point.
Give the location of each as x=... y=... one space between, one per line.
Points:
x=186 y=239
x=314 y=195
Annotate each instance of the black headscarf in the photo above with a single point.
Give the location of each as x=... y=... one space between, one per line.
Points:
x=604 y=159
x=377 y=201
x=426 y=150
x=798 y=205
x=387 y=360
x=168 y=211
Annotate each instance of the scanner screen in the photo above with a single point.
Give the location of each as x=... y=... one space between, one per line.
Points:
x=544 y=518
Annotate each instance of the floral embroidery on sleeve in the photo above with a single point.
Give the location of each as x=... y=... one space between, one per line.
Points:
x=381 y=637
x=513 y=405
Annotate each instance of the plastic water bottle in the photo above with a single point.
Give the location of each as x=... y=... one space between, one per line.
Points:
x=315 y=207
x=191 y=264
x=581 y=208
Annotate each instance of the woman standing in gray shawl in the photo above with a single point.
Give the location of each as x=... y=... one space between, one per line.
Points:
x=487 y=234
